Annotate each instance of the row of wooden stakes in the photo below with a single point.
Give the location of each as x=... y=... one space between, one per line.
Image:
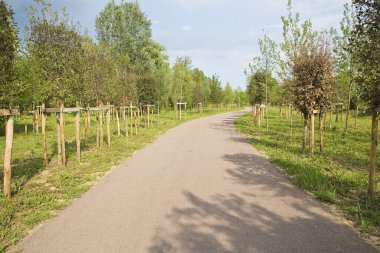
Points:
x=103 y=116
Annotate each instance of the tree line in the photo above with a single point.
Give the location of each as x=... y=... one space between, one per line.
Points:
x=313 y=71
x=55 y=63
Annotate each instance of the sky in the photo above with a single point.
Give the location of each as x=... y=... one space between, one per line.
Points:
x=220 y=36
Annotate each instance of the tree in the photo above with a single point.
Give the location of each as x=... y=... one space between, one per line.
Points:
x=216 y=91
x=256 y=88
x=228 y=94
x=366 y=49
x=54 y=42
x=127 y=31
x=8 y=47
x=345 y=65
x=313 y=79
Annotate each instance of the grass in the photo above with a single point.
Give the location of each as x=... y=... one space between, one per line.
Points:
x=39 y=193
x=338 y=176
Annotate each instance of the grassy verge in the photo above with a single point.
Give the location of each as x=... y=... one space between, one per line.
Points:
x=338 y=176
x=38 y=192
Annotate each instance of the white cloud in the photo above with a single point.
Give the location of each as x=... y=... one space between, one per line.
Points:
x=187 y=27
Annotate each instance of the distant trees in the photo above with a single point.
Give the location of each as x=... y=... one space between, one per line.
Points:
x=228 y=94
x=8 y=47
x=366 y=50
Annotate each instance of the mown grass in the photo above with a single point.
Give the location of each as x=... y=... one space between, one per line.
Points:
x=338 y=176
x=38 y=192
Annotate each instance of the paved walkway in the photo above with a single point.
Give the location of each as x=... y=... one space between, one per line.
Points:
x=200 y=188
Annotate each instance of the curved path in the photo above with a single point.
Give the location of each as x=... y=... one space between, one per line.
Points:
x=200 y=188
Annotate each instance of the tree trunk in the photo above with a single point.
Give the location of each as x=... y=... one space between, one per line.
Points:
x=86 y=123
x=62 y=132
x=373 y=164
x=77 y=134
x=108 y=120
x=117 y=122
x=321 y=133
x=312 y=134
x=43 y=131
x=59 y=145
x=291 y=123
x=304 y=133
x=8 y=155
x=356 y=116
x=101 y=134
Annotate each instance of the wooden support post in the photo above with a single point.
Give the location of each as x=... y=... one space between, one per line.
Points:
x=86 y=123
x=34 y=119
x=291 y=122
x=131 y=118
x=356 y=116
x=77 y=133
x=97 y=129
x=101 y=135
x=8 y=155
x=148 y=116
x=62 y=131
x=59 y=145
x=337 y=114
x=117 y=122
x=25 y=125
x=108 y=127
x=330 y=122
x=180 y=111
x=43 y=130
x=321 y=133
x=312 y=134
x=373 y=160
x=135 y=121
x=126 y=123
x=304 y=132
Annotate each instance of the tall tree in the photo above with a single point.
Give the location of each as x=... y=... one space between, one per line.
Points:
x=126 y=29
x=8 y=46
x=54 y=42
x=313 y=78
x=345 y=64
x=216 y=90
x=228 y=94
x=366 y=47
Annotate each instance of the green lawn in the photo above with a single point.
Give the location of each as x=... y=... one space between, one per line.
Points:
x=38 y=192
x=337 y=176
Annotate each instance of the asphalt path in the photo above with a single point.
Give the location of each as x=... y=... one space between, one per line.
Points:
x=202 y=188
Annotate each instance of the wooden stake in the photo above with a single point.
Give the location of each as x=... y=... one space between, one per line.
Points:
x=62 y=131
x=291 y=122
x=148 y=116
x=108 y=127
x=59 y=148
x=321 y=133
x=77 y=134
x=135 y=121
x=373 y=160
x=25 y=125
x=101 y=135
x=86 y=123
x=117 y=122
x=312 y=134
x=43 y=130
x=356 y=116
x=304 y=132
x=8 y=155
x=126 y=123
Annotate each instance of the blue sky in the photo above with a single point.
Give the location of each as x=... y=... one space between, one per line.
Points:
x=220 y=36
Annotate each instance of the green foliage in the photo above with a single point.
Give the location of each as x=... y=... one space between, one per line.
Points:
x=8 y=47
x=54 y=42
x=228 y=94
x=313 y=76
x=366 y=48
x=216 y=90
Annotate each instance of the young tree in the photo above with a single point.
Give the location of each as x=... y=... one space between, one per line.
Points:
x=313 y=79
x=228 y=94
x=345 y=65
x=216 y=90
x=54 y=42
x=8 y=47
x=366 y=49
